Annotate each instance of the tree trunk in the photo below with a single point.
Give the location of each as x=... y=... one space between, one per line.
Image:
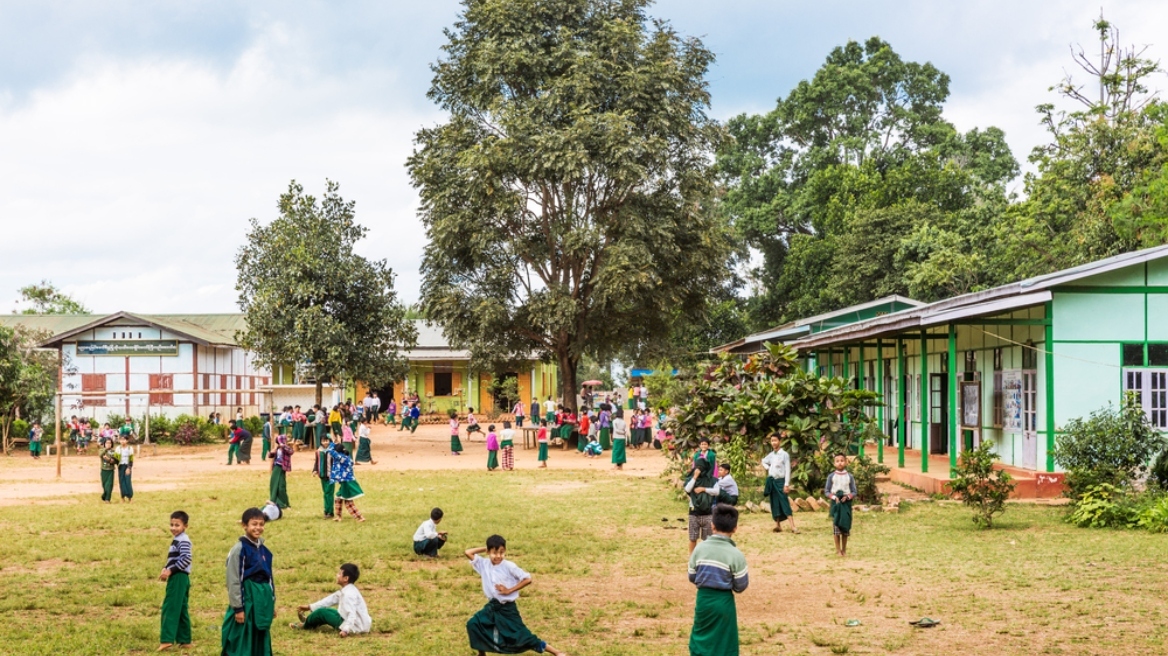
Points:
x=568 y=390
x=319 y=391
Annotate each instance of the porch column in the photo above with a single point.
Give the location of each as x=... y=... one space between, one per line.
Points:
x=924 y=394
x=880 y=391
x=1048 y=383
x=900 y=413
x=860 y=382
x=952 y=399
x=847 y=373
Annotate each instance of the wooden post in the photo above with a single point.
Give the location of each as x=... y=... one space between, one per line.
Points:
x=57 y=422
x=902 y=391
x=953 y=409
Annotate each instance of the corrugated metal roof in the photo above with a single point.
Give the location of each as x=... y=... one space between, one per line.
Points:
x=216 y=329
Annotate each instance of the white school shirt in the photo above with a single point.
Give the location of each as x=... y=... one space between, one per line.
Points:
x=620 y=429
x=507 y=434
x=506 y=573
x=363 y=431
x=549 y=406
x=351 y=606
x=427 y=531
x=124 y=454
x=778 y=465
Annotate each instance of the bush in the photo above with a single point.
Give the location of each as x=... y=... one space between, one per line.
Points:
x=865 y=470
x=1104 y=506
x=980 y=486
x=1154 y=515
x=186 y=434
x=1109 y=448
x=254 y=425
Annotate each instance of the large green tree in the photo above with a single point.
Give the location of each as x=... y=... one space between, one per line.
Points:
x=567 y=196
x=808 y=182
x=311 y=302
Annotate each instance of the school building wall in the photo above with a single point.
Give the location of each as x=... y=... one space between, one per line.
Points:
x=471 y=388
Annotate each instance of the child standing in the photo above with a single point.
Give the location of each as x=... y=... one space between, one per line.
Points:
x=233 y=445
x=266 y=439
x=323 y=470
x=541 y=438
x=718 y=569
x=455 y=442
x=109 y=463
x=585 y=427
x=347 y=487
x=34 y=440
x=391 y=413
x=702 y=489
x=428 y=539
x=347 y=439
x=777 y=464
x=125 y=454
x=604 y=421
x=498 y=627
x=176 y=618
x=507 y=446
x=281 y=465
x=519 y=412
x=343 y=610
x=251 y=592
x=619 y=442
x=840 y=488
x=492 y=449
x=364 y=445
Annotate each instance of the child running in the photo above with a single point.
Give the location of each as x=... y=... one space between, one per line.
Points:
x=492 y=449
x=176 y=618
x=840 y=488
x=455 y=442
x=428 y=539
x=507 y=447
x=541 y=438
x=718 y=569
x=344 y=610
x=347 y=487
x=322 y=468
x=498 y=627
x=472 y=424
x=777 y=464
x=251 y=592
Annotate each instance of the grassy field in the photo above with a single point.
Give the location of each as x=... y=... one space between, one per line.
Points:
x=77 y=577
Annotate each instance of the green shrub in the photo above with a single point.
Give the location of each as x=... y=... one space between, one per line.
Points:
x=186 y=433
x=1108 y=448
x=980 y=486
x=865 y=470
x=254 y=425
x=1103 y=506
x=1153 y=516
x=19 y=429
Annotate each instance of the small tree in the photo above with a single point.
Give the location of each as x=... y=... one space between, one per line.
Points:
x=980 y=486
x=1113 y=447
x=26 y=377
x=311 y=302
x=45 y=298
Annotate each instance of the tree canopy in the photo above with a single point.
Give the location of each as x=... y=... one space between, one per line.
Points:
x=568 y=197
x=27 y=377
x=45 y=298
x=312 y=303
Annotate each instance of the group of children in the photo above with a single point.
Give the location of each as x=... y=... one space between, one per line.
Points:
x=251 y=593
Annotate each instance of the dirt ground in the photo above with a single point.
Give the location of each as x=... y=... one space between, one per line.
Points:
x=171 y=467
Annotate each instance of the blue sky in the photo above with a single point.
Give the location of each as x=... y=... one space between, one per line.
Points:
x=138 y=138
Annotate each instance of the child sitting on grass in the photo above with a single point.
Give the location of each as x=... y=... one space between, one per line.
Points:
x=593 y=448
x=343 y=610
x=498 y=627
x=840 y=488
x=251 y=592
x=428 y=539
x=176 y=618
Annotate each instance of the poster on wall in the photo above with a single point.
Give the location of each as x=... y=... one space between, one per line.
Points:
x=1012 y=400
x=971 y=404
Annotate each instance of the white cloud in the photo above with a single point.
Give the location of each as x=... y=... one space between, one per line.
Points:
x=130 y=183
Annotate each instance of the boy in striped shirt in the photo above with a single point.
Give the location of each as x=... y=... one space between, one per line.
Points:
x=176 y=619
x=718 y=569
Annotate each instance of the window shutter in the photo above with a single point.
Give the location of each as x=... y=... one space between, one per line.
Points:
x=429 y=384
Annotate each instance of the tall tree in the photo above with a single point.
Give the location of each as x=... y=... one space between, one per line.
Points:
x=312 y=303
x=45 y=298
x=567 y=197
x=864 y=134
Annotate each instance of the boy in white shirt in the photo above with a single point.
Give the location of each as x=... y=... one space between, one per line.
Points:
x=343 y=610
x=498 y=628
x=428 y=539
x=777 y=464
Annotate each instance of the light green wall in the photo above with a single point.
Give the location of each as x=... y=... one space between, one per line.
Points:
x=1132 y=276
x=1116 y=317
x=1086 y=377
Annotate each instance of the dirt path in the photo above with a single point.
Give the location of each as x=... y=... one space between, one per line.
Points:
x=171 y=467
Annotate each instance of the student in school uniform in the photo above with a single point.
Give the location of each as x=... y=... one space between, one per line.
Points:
x=322 y=468
x=281 y=465
x=364 y=445
x=455 y=442
x=604 y=421
x=472 y=424
x=719 y=571
x=251 y=592
x=498 y=628
x=428 y=539
x=520 y=412
x=176 y=618
x=777 y=464
x=541 y=438
x=840 y=489
x=727 y=486
x=507 y=447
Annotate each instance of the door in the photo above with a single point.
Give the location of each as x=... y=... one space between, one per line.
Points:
x=939 y=413
x=1030 y=420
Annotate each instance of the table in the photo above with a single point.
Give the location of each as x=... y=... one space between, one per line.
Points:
x=530 y=434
